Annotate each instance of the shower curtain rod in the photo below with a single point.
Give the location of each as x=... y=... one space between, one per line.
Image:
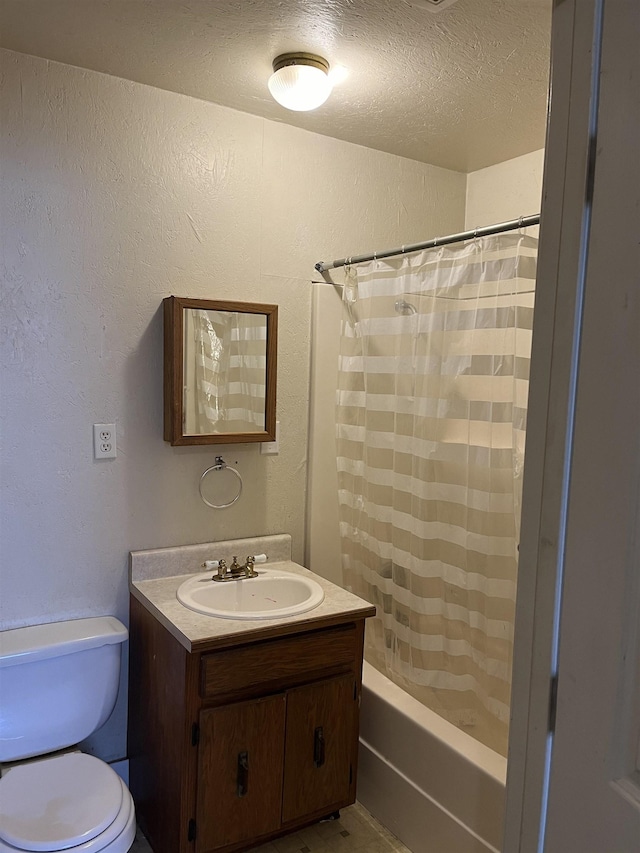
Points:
x=522 y=222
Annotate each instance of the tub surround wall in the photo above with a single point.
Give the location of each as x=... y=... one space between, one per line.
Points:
x=115 y=195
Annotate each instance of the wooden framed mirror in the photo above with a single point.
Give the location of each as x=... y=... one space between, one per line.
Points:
x=220 y=362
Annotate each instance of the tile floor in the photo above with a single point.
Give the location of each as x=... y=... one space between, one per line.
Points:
x=356 y=830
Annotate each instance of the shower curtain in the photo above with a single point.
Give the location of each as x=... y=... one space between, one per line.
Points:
x=431 y=415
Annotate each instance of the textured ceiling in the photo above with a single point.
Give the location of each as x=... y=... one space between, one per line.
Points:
x=463 y=88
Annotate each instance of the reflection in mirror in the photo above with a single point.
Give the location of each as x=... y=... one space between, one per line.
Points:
x=220 y=368
x=225 y=357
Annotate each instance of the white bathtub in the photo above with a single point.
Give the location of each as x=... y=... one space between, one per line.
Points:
x=435 y=787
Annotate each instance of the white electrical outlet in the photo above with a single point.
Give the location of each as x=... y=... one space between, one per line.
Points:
x=104 y=441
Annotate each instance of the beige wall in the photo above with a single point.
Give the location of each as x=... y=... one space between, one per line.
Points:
x=505 y=191
x=496 y=194
x=115 y=195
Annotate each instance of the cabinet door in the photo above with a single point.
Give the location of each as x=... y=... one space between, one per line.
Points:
x=240 y=764
x=320 y=744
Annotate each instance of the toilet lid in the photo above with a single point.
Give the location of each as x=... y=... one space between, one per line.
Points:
x=58 y=802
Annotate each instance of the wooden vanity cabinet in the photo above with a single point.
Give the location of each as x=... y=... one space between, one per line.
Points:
x=231 y=745
x=240 y=765
x=318 y=767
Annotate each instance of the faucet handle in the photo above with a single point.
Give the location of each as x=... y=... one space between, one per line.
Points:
x=249 y=571
x=221 y=567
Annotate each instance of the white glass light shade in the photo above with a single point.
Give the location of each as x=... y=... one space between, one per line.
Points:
x=300 y=87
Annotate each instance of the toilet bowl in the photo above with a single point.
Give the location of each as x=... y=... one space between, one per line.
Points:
x=59 y=683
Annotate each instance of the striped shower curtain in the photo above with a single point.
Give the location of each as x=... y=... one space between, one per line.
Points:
x=431 y=415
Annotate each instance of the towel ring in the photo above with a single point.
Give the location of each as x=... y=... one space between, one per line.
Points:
x=220 y=465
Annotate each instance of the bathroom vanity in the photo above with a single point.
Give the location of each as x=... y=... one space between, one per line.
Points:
x=239 y=730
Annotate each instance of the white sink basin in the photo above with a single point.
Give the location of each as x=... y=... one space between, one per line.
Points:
x=272 y=595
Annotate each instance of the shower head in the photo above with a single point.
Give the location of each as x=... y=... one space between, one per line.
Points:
x=403 y=307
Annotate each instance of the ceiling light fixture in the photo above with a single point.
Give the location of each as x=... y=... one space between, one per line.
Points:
x=300 y=81
x=431 y=5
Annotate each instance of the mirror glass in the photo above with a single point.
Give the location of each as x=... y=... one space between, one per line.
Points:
x=219 y=371
x=225 y=353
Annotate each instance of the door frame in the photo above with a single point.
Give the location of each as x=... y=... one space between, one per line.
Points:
x=564 y=246
x=564 y=233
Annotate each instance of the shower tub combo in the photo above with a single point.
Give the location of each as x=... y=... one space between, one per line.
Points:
x=430 y=427
x=438 y=789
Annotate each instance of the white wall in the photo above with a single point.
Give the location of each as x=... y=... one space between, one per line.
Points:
x=113 y=196
x=505 y=191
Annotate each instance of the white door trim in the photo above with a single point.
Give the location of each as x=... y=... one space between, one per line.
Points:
x=557 y=325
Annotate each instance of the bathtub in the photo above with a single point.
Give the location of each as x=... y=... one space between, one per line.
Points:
x=435 y=787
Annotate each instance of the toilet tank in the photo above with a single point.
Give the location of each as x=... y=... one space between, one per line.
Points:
x=58 y=683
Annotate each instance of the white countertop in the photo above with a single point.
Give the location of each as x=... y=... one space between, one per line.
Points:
x=156 y=590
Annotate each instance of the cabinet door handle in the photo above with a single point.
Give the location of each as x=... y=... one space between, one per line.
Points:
x=243 y=774
x=318 y=747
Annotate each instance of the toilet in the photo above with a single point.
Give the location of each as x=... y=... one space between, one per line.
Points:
x=58 y=684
